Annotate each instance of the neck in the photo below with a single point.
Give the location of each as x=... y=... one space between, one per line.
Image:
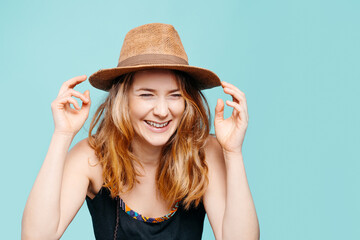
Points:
x=148 y=155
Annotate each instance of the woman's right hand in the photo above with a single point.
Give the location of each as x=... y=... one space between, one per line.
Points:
x=66 y=119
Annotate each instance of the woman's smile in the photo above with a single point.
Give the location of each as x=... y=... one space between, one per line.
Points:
x=158 y=127
x=156 y=124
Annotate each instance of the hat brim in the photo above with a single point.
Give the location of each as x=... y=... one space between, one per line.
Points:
x=103 y=78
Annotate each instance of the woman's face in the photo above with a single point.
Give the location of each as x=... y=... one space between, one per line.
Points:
x=155 y=106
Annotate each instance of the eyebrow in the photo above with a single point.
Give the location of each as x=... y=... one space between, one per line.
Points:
x=153 y=90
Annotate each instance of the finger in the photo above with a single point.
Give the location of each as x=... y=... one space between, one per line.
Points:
x=86 y=105
x=219 y=110
x=242 y=112
x=73 y=111
x=87 y=95
x=235 y=89
x=229 y=85
x=239 y=97
x=72 y=92
x=68 y=100
x=236 y=95
x=71 y=83
x=235 y=105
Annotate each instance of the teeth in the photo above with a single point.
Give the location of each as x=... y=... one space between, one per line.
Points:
x=156 y=124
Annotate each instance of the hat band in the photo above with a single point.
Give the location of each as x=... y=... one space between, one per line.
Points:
x=151 y=59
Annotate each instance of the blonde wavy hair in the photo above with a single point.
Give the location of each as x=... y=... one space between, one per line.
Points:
x=182 y=173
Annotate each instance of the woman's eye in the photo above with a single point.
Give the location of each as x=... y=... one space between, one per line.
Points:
x=176 y=95
x=146 y=95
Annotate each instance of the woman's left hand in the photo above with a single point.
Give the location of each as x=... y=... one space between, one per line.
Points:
x=230 y=132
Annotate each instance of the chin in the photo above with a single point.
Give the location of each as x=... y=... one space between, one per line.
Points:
x=157 y=142
x=154 y=139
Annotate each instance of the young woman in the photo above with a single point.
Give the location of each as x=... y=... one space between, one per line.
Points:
x=151 y=170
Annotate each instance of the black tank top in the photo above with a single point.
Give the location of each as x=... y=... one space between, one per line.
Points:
x=181 y=225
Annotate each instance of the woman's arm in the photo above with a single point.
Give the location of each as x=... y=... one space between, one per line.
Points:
x=234 y=208
x=53 y=195
x=61 y=185
x=41 y=213
x=240 y=219
x=228 y=201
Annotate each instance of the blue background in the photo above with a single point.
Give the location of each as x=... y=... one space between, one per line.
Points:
x=296 y=61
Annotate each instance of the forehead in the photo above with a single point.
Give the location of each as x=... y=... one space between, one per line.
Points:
x=155 y=78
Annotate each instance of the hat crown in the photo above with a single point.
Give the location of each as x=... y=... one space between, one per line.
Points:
x=153 y=46
x=153 y=38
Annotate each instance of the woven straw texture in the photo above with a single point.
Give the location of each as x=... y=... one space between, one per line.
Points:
x=153 y=46
x=163 y=39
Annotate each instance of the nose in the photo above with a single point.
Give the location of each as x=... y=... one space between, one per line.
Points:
x=161 y=108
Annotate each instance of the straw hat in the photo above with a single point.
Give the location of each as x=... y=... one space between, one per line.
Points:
x=154 y=45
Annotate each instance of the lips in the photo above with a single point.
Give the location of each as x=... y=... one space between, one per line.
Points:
x=157 y=124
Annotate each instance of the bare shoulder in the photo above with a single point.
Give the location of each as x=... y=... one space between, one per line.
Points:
x=85 y=156
x=76 y=182
x=83 y=148
x=83 y=153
